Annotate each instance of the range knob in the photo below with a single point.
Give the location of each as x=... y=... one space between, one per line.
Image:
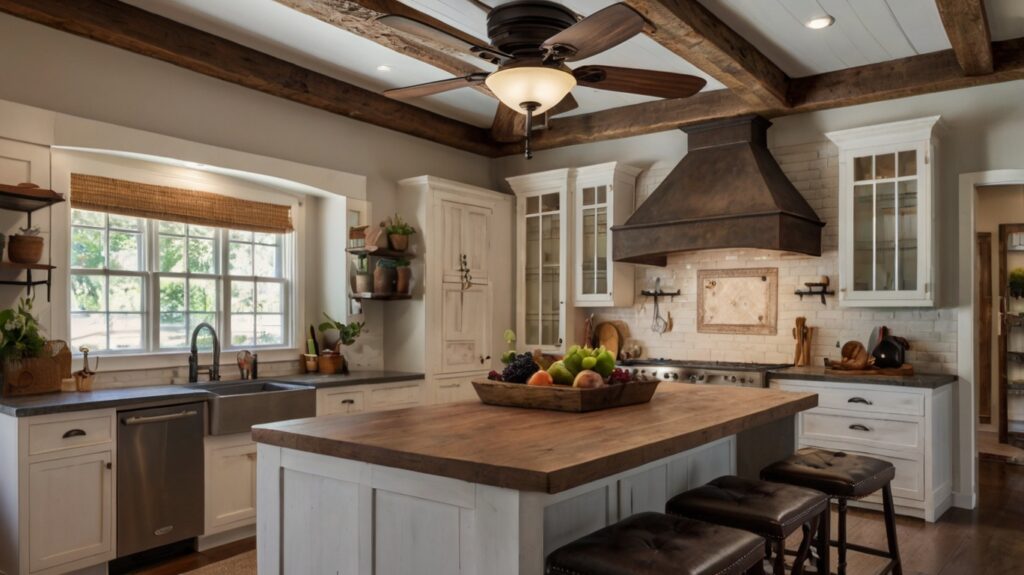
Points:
x=700 y=377
x=732 y=379
x=693 y=379
x=665 y=375
x=675 y=375
x=634 y=371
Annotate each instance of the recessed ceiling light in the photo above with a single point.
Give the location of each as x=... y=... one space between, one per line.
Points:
x=820 y=22
x=383 y=68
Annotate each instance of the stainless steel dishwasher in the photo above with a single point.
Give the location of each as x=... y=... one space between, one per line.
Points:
x=159 y=476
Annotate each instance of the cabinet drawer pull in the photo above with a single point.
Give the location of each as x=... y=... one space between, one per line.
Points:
x=859 y=400
x=74 y=433
x=348 y=401
x=450 y=385
x=859 y=427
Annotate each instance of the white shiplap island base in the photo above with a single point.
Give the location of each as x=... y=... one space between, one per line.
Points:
x=472 y=489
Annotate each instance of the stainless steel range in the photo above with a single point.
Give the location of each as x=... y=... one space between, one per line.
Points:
x=703 y=372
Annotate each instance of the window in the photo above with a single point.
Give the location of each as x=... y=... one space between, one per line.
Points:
x=144 y=285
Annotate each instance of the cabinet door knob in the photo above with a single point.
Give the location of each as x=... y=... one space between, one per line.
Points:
x=859 y=400
x=110 y=465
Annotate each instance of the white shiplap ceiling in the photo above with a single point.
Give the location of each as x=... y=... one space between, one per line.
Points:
x=866 y=31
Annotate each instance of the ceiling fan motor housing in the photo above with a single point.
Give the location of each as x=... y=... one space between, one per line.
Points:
x=520 y=27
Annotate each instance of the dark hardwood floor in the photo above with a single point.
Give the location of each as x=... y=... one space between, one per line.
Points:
x=987 y=540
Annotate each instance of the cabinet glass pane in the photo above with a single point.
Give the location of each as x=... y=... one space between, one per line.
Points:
x=550 y=277
x=907 y=234
x=885 y=236
x=863 y=168
x=588 y=196
x=907 y=163
x=885 y=166
x=863 y=234
x=602 y=194
x=532 y=334
x=532 y=204
x=549 y=203
x=602 y=250
x=588 y=258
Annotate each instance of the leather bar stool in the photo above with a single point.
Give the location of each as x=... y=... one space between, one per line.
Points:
x=843 y=477
x=657 y=544
x=771 y=510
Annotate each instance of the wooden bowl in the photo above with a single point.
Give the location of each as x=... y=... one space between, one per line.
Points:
x=25 y=249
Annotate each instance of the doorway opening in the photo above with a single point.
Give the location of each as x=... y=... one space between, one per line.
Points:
x=999 y=322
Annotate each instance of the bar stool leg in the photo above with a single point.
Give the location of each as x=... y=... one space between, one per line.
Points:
x=779 y=566
x=890 y=529
x=810 y=531
x=842 y=537
x=824 y=548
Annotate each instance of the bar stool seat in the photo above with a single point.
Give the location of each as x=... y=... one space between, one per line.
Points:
x=843 y=476
x=833 y=472
x=771 y=510
x=658 y=544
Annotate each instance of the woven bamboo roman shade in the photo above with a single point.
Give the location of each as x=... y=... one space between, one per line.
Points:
x=177 y=205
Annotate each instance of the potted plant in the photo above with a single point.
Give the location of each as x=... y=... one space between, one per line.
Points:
x=398 y=231
x=30 y=363
x=1017 y=282
x=403 y=280
x=26 y=247
x=20 y=336
x=364 y=282
x=385 y=276
x=335 y=332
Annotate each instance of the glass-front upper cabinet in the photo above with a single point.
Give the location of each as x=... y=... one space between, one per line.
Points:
x=542 y=207
x=603 y=197
x=886 y=214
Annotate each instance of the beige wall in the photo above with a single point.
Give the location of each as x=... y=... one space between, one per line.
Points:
x=1002 y=205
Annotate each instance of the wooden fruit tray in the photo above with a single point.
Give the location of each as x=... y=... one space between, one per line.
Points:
x=563 y=398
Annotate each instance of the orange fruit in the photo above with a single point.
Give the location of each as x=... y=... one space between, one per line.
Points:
x=541 y=378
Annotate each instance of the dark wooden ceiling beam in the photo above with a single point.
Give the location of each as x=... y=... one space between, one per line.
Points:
x=968 y=32
x=136 y=30
x=360 y=17
x=913 y=76
x=693 y=33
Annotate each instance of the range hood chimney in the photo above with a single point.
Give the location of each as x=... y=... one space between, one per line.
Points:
x=728 y=192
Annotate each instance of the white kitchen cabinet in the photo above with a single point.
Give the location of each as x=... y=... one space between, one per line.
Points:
x=451 y=389
x=230 y=482
x=462 y=269
x=542 y=220
x=339 y=400
x=604 y=198
x=57 y=486
x=909 y=427
x=887 y=180
x=564 y=246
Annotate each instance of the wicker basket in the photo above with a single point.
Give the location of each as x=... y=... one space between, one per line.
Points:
x=25 y=249
x=35 y=375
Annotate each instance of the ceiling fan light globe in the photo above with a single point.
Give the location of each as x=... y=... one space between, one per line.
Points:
x=542 y=85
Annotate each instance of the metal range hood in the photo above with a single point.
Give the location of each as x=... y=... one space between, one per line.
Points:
x=728 y=192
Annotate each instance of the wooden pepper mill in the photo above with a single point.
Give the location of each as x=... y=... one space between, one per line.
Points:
x=803 y=336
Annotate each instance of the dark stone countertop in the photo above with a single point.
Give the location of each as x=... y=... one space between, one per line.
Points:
x=355 y=377
x=130 y=396
x=920 y=380
x=83 y=400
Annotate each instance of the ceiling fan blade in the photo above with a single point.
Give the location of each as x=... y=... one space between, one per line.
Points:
x=428 y=32
x=431 y=88
x=635 y=81
x=594 y=34
x=567 y=104
x=510 y=126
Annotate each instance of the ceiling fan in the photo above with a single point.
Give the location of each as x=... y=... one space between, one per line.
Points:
x=531 y=41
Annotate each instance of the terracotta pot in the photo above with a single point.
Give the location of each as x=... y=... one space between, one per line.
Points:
x=25 y=249
x=399 y=242
x=331 y=363
x=311 y=361
x=404 y=281
x=384 y=280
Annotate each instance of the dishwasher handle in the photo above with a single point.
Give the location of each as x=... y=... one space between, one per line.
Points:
x=141 y=420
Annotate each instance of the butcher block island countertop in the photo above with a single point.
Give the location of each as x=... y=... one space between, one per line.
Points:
x=537 y=450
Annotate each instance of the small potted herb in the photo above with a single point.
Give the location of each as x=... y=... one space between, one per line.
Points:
x=398 y=231
x=1017 y=282
x=403 y=282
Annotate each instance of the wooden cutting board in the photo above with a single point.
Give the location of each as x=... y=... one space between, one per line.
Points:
x=607 y=335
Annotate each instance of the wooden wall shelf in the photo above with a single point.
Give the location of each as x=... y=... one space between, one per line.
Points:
x=27 y=198
x=381 y=253
x=381 y=296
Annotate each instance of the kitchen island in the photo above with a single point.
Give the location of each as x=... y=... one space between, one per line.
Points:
x=476 y=489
